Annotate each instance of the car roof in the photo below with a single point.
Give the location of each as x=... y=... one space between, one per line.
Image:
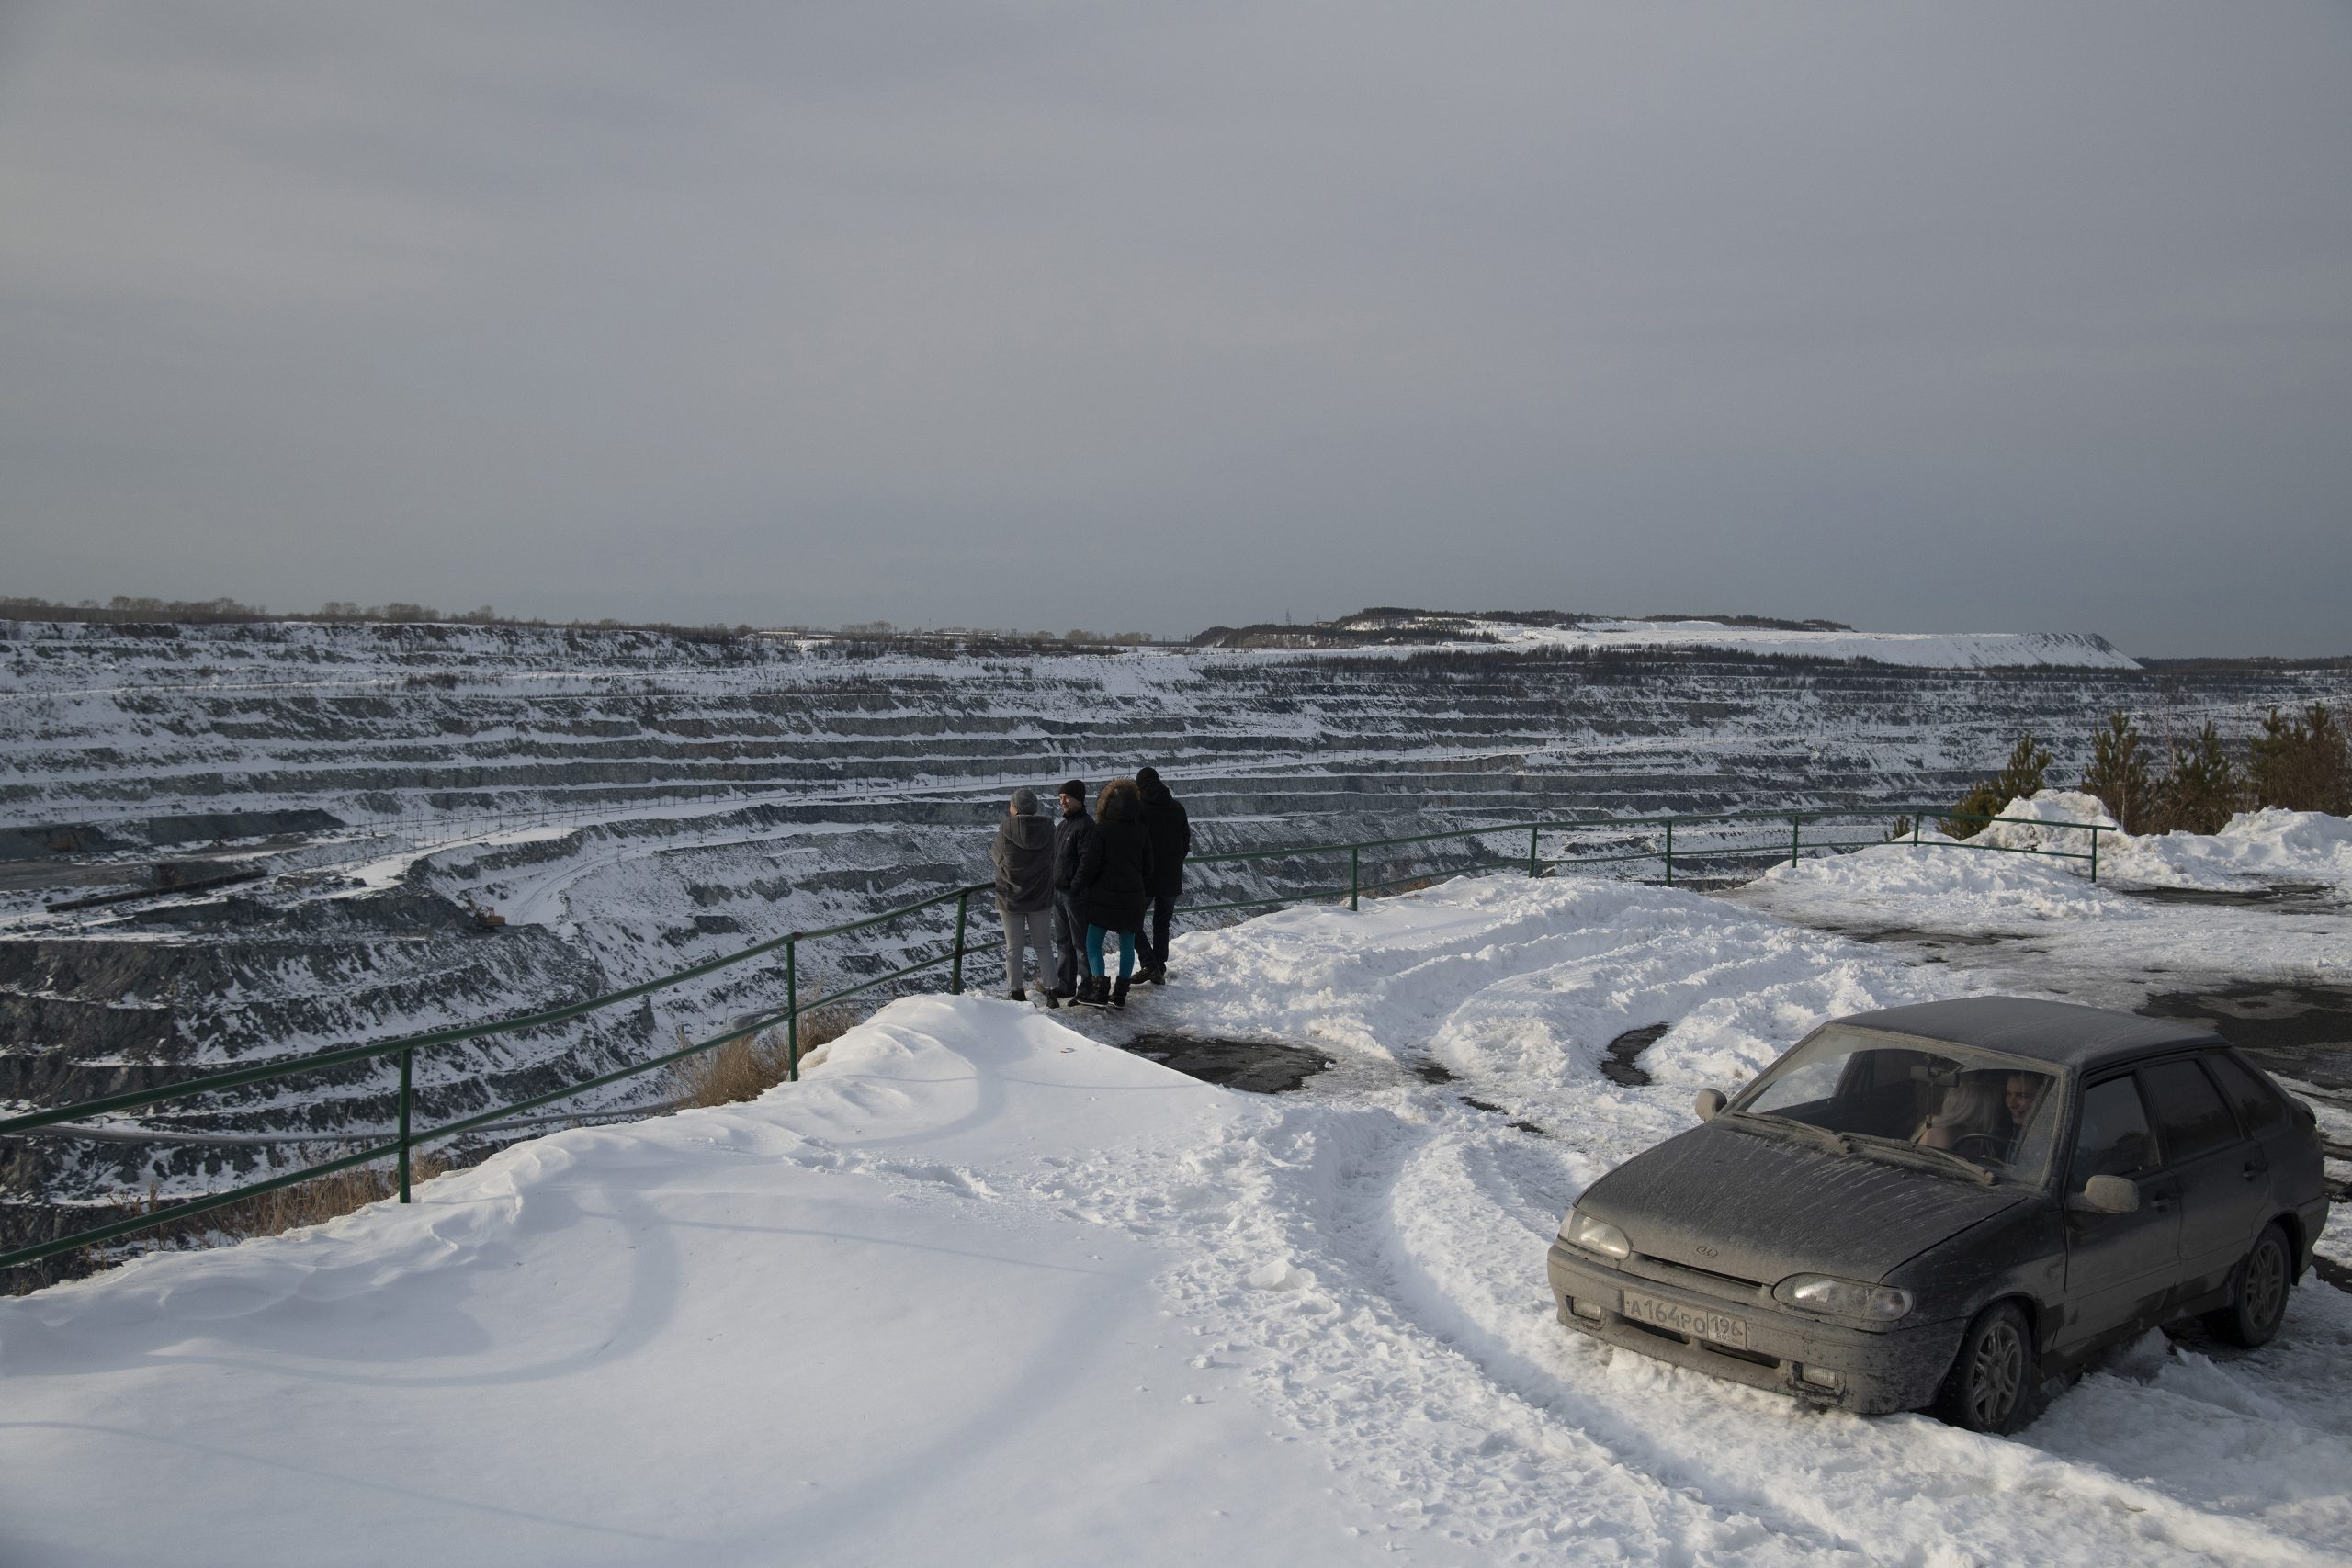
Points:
x=2064 y=1035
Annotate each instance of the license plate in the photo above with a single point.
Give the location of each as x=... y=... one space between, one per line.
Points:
x=1699 y=1322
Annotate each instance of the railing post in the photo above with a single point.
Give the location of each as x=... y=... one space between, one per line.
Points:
x=1796 y=838
x=956 y=974
x=1670 y=851
x=1355 y=864
x=407 y=1060
x=791 y=1009
x=1915 y=832
x=1531 y=870
x=2094 y=853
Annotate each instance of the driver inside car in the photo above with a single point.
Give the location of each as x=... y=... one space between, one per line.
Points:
x=1972 y=1111
x=1984 y=1115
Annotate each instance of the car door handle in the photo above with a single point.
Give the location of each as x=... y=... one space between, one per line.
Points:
x=2253 y=1168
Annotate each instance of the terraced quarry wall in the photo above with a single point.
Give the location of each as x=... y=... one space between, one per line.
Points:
x=632 y=801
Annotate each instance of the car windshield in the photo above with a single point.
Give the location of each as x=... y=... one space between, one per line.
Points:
x=1895 y=1097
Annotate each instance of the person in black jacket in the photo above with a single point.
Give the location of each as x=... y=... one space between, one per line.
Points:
x=1171 y=839
x=1112 y=879
x=1070 y=836
x=1022 y=854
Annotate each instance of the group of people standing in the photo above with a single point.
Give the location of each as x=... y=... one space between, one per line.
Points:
x=1115 y=872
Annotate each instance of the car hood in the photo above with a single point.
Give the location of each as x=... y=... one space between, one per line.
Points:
x=1761 y=1207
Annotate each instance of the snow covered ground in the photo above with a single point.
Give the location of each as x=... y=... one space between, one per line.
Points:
x=2043 y=921
x=1957 y=650
x=985 y=1288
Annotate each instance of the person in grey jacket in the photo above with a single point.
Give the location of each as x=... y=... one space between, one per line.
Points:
x=1022 y=854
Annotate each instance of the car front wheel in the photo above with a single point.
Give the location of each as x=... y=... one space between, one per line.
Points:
x=1992 y=1381
x=2257 y=1292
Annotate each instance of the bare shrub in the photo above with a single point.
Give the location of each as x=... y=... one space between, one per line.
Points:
x=750 y=1065
x=315 y=1202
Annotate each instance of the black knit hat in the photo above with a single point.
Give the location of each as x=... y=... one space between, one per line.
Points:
x=1146 y=775
x=1075 y=787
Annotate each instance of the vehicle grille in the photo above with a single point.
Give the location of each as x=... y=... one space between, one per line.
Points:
x=1704 y=1278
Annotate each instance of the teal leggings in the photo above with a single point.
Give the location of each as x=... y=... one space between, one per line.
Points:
x=1094 y=935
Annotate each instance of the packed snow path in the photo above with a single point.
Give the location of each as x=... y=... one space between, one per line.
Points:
x=984 y=1288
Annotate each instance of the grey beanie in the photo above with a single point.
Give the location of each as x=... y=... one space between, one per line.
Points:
x=1024 y=801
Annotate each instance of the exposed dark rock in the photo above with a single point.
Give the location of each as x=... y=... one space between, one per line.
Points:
x=1620 y=1064
x=1259 y=1066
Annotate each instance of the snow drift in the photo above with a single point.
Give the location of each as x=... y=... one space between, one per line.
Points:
x=984 y=1287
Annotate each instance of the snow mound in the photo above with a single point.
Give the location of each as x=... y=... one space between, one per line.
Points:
x=2269 y=847
x=2264 y=848
x=1961 y=888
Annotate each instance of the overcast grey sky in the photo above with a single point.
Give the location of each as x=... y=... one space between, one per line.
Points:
x=1980 y=316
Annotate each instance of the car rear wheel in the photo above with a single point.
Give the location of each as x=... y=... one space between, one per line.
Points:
x=2258 y=1292
x=1991 y=1385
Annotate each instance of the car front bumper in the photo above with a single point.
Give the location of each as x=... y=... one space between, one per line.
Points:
x=1875 y=1370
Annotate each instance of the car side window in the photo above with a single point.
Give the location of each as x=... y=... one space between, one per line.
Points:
x=2191 y=1115
x=2257 y=1103
x=2114 y=1140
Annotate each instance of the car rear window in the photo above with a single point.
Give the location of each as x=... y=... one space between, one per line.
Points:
x=2114 y=1140
x=2191 y=1115
x=2257 y=1103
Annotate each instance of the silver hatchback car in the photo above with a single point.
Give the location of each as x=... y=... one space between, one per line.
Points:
x=1938 y=1207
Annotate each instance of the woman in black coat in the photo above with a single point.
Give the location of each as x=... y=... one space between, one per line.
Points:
x=1112 y=890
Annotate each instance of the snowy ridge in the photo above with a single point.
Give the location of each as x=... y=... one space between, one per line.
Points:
x=983 y=1286
x=1955 y=651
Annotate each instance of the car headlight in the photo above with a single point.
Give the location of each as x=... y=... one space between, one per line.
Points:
x=1580 y=1229
x=1847 y=1298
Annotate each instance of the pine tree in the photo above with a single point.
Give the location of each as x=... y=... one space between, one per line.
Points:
x=2120 y=775
x=2300 y=764
x=2020 y=777
x=2202 y=790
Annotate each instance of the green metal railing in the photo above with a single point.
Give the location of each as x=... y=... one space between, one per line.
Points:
x=401 y=1148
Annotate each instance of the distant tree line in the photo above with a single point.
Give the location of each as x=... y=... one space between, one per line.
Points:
x=124 y=609
x=2298 y=763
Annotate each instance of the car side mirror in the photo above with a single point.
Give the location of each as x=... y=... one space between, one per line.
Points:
x=1710 y=1103
x=2107 y=1195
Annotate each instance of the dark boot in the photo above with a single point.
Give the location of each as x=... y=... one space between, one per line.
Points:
x=1157 y=974
x=1016 y=995
x=1119 y=994
x=1053 y=999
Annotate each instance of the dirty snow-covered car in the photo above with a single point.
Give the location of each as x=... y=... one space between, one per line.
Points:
x=1941 y=1206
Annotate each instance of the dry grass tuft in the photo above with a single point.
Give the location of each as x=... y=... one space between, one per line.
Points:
x=313 y=1203
x=750 y=1065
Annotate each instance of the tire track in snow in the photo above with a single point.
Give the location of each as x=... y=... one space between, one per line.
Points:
x=1457 y=1224
x=1408 y=1412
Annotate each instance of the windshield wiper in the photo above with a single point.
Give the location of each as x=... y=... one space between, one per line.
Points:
x=1903 y=1151
x=1836 y=1143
